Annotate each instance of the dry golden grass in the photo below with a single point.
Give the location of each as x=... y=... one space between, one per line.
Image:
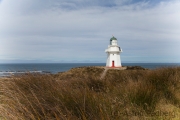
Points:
x=79 y=94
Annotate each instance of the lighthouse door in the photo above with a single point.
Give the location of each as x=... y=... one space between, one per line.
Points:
x=113 y=63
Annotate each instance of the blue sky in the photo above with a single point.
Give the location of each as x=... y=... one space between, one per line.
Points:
x=80 y=30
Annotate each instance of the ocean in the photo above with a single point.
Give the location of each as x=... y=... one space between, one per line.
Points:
x=20 y=68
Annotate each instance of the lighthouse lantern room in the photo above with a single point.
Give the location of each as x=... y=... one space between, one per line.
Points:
x=113 y=54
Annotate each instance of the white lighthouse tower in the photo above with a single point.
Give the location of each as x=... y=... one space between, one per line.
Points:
x=113 y=54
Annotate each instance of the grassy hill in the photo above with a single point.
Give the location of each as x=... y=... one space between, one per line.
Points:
x=80 y=94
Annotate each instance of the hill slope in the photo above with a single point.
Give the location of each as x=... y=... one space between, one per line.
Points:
x=80 y=94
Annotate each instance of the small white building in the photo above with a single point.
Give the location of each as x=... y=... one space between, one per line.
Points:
x=113 y=54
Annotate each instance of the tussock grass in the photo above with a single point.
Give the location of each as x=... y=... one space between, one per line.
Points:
x=79 y=94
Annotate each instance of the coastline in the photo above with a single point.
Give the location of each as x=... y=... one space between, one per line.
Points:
x=11 y=74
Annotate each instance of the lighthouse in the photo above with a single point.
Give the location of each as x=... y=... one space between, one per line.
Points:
x=113 y=54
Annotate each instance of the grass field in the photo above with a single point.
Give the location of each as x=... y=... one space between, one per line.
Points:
x=80 y=94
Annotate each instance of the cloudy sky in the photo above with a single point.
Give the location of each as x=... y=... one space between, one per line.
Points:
x=80 y=30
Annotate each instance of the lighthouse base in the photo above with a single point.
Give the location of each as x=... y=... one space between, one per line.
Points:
x=113 y=60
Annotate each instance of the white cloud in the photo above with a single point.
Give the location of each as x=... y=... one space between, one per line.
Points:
x=80 y=30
